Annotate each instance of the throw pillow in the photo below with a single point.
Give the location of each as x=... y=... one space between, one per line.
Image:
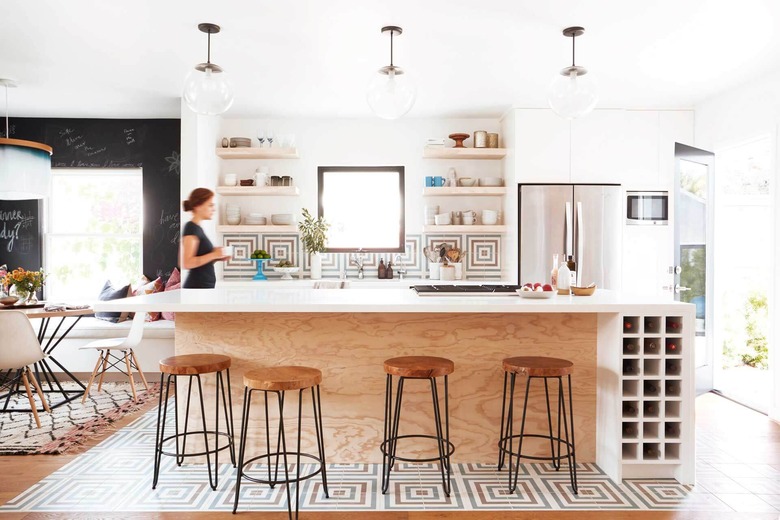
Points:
x=110 y=293
x=170 y=316
x=152 y=287
x=174 y=279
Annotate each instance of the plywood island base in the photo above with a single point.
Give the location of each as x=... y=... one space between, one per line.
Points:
x=350 y=348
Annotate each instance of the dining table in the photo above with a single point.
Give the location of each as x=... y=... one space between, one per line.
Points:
x=54 y=384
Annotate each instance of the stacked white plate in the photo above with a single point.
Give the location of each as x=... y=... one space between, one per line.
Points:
x=491 y=181
x=255 y=219
x=233 y=214
x=283 y=219
x=430 y=214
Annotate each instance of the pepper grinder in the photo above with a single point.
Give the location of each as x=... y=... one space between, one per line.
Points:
x=458 y=219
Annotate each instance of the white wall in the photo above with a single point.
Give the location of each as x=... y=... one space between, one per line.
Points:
x=733 y=117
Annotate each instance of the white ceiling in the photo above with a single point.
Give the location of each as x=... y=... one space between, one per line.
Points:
x=314 y=58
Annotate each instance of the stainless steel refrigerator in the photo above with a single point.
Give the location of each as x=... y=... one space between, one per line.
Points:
x=582 y=220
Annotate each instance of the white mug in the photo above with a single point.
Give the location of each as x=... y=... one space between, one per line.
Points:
x=227 y=251
x=469 y=218
x=231 y=179
x=489 y=217
x=261 y=176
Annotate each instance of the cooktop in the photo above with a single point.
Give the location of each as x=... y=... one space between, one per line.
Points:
x=465 y=290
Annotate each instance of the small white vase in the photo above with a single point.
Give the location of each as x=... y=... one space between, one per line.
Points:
x=316 y=266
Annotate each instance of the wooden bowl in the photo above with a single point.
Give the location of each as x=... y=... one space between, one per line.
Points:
x=583 y=291
x=8 y=300
x=459 y=138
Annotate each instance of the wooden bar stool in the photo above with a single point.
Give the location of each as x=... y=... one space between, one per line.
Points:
x=192 y=366
x=278 y=380
x=535 y=367
x=416 y=367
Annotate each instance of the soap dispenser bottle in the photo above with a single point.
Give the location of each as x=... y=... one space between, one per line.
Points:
x=389 y=272
x=382 y=269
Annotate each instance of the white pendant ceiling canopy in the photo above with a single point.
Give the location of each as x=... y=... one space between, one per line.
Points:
x=391 y=93
x=574 y=91
x=208 y=89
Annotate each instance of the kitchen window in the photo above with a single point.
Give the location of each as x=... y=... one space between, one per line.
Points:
x=364 y=206
x=95 y=231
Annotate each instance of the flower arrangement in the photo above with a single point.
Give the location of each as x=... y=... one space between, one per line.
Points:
x=313 y=232
x=26 y=283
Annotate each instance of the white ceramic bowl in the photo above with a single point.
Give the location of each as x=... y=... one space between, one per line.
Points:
x=443 y=219
x=491 y=181
x=466 y=181
x=286 y=271
x=283 y=219
x=258 y=221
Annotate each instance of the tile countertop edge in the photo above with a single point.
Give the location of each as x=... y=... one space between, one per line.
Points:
x=308 y=300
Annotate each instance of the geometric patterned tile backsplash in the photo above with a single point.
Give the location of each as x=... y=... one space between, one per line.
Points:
x=483 y=255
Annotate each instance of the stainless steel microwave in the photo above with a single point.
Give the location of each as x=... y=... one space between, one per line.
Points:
x=647 y=207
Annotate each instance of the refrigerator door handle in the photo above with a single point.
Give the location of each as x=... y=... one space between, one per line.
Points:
x=569 y=230
x=580 y=244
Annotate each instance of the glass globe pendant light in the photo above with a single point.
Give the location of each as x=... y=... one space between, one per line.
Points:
x=207 y=89
x=574 y=92
x=391 y=93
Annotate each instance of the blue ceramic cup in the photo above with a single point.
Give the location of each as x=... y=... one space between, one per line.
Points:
x=438 y=181
x=429 y=181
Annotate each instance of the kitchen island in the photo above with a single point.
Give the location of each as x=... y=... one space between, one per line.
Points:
x=633 y=379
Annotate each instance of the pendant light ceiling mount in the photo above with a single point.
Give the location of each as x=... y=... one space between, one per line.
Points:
x=390 y=93
x=573 y=92
x=207 y=89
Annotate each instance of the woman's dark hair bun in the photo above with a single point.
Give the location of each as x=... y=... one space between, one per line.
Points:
x=187 y=205
x=197 y=197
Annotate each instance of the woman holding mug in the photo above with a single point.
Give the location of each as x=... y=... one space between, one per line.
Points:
x=198 y=254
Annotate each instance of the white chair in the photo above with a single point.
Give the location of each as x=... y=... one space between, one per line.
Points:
x=107 y=347
x=19 y=348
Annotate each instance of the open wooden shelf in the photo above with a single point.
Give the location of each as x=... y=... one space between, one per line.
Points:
x=430 y=152
x=257 y=229
x=474 y=191
x=257 y=153
x=464 y=229
x=279 y=191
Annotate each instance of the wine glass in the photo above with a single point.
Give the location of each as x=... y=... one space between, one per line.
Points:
x=270 y=136
x=261 y=137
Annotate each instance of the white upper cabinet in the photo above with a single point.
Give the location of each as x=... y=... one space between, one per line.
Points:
x=542 y=146
x=597 y=142
x=639 y=150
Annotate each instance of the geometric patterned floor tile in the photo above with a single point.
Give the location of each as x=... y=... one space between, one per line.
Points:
x=116 y=475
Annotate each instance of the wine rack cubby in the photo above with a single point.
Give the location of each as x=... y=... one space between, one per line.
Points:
x=652 y=383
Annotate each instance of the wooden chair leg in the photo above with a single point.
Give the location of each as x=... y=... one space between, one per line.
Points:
x=130 y=374
x=39 y=391
x=138 y=368
x=92 y=377
x=30 y=398
x=105 y=369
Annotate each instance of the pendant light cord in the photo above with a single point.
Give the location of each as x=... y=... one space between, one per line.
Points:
x=391 y=47
x=208 y=57
x=7 y=135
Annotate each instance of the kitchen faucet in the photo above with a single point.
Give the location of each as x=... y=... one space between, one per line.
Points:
x=402 y=271
x=358 y=259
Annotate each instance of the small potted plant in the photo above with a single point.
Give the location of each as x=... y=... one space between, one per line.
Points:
x=313 y=236
x=24 y=284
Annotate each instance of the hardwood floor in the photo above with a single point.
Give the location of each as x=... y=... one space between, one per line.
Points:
x=732 y=442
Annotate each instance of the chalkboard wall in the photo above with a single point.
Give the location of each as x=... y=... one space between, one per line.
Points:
x=21 y=234
x=151 y=144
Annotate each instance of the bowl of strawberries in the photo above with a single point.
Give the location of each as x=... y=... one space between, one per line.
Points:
x=538 y=291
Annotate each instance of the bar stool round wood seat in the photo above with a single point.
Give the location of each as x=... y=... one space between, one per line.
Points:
x=537 y=367
x=193 y=366
x=416 y=367
x=278 y=380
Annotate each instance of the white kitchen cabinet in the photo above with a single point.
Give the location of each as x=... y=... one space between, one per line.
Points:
x=597 y=142
x=639 y=148
x=542 y=150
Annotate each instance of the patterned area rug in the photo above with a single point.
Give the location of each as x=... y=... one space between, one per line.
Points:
x=71 y=424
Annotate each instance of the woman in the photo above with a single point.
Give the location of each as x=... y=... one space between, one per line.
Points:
x=198 y=253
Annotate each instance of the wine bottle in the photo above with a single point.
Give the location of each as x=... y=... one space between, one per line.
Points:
x=672 y=430
x=629 y=348
x=629 y=410
x=651 y=347
x=673 y=325
x=629 y=367
x=672 y=368
x=572 y=270
x=650 y=325
x=650 y=389
x=672 y=388
x=651 y=410
x=629 y=430
x=649 y=452
x=671 y=348
x=627 y=325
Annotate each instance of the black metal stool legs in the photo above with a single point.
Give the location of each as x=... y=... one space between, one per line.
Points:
x=281 y=452
x=392 y=420
x=180 y=452
x=507 y=435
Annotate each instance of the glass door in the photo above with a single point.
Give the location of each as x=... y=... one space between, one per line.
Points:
x=693 y=263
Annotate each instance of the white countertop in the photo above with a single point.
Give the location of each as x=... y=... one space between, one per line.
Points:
x=268 y=297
